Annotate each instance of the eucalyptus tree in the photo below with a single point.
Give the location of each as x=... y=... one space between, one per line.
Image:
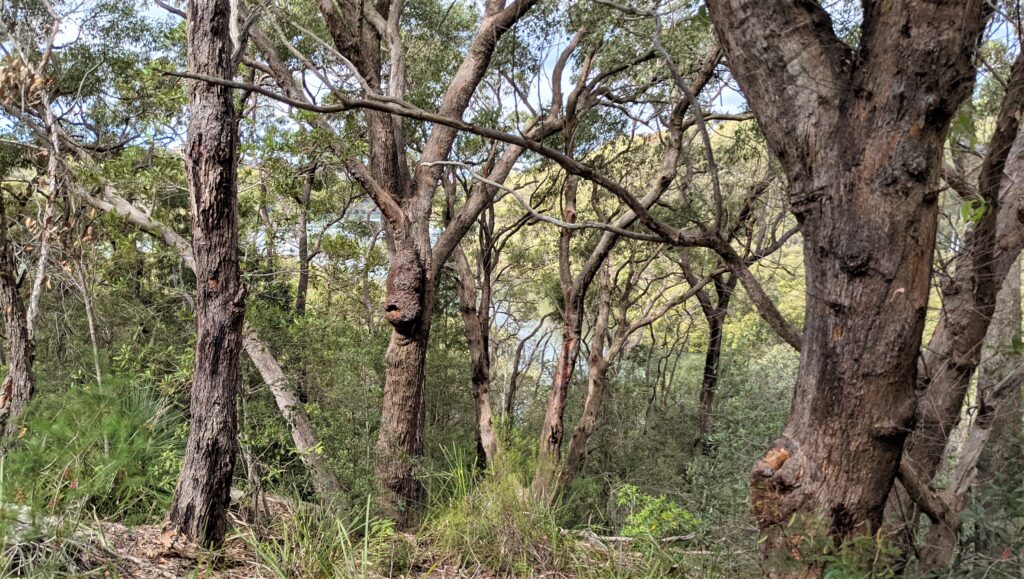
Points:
x=202 y=497
x=404 y=197
x=863 y=162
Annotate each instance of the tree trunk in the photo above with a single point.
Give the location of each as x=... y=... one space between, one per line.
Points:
x=597 y=362
x=854 y=399
x=999 y=467
x=715 y=315
x=19 y=385
x=408 y=307
x=202 y=496
x=860 y=133
x=477 y=322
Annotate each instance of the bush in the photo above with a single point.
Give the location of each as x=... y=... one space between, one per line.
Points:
x=113 y=448
x=650 y=517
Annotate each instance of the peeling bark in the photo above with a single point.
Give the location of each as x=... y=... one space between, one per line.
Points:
x=19 y=385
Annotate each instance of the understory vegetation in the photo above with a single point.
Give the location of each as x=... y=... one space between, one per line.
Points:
x=511 y=288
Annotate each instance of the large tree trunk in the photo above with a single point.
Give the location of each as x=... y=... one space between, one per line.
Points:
x=860 y=133
x=202 y=496
x=854 y=399
x=18 y=387
x=408 y=307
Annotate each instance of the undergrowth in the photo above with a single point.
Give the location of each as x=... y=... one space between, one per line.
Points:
x=315 y=541
x=112 y=450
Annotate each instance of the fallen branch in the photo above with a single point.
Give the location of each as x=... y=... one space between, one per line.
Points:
x=593 y=539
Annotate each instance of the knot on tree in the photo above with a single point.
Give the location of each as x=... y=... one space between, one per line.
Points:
x=777 y=484
x=898 y=424
x=405 y=285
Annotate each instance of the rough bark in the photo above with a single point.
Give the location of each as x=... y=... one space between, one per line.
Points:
x=202 y=495
x=860 y=134
x=19 y=385
x=400 y=439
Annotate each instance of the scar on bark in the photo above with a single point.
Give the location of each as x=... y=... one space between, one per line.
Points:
x=404 y=289
x=776 y=484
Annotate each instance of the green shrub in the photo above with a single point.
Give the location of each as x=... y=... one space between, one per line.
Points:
x=650 y=517
x=113 y=448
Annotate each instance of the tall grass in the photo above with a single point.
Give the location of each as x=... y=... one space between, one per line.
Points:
x=314 y=541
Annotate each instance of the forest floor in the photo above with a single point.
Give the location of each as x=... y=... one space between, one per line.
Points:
x=278 y=542
x=144 y=552
x=111 y=549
